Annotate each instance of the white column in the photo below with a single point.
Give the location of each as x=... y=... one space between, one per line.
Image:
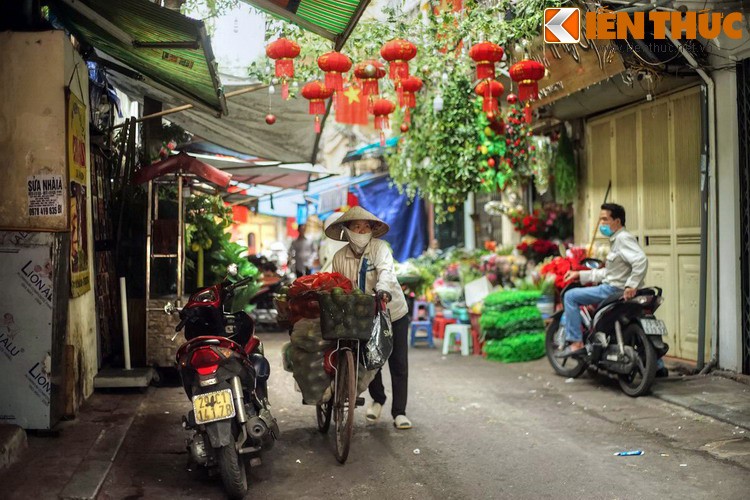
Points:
x=470 y=237
x=725 y=227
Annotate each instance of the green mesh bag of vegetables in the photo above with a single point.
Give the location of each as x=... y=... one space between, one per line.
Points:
x=519 y=348
x=499 y=325
x=505 y=300
x=346 y=316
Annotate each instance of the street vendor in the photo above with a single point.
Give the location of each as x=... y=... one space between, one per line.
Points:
x=367 y=261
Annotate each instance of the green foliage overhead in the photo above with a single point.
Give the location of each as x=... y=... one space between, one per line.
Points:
x=439 y=156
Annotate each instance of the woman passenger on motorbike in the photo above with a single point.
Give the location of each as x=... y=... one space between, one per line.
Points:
x=368 y=263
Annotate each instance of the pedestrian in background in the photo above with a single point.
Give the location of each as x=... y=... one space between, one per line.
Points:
x=303 y=253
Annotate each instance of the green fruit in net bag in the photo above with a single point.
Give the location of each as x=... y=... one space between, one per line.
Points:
x=338 y=291
x=357 y=291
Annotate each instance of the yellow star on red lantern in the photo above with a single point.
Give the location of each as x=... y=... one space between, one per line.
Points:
x=352 y=94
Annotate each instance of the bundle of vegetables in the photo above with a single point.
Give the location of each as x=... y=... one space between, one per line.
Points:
x=508 y=313
x=346 y=315
x=307 y=357
x=303 y=294
x=516 y=349
x=510 y=323
x=505 y=300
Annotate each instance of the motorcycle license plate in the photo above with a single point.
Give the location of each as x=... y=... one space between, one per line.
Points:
x=213 y=406
x=654 y=327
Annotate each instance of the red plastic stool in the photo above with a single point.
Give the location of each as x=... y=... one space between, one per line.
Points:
x=439 y=324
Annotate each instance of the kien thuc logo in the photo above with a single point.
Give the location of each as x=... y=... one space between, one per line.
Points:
x=562 y=25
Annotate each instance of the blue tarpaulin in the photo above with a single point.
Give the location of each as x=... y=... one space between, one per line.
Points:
x=408 y=222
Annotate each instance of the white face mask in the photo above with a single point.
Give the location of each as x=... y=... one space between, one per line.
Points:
x=358 y=241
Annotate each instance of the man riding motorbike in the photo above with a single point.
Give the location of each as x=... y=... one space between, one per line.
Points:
x=624 y=272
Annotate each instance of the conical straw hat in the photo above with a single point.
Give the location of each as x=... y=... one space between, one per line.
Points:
x=336 y=230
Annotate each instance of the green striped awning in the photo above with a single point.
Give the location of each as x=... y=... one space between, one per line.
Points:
x=332 y=19
x=168 y=50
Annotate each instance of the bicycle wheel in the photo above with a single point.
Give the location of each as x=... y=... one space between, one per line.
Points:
x=344 y=404
x=323 y=411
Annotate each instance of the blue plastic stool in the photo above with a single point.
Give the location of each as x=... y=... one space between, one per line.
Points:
x=457 y=332
x=419 y=324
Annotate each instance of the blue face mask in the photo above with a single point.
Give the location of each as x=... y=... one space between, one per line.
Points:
x=606 y=230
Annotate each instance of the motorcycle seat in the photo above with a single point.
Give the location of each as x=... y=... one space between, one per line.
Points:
x=610 y=300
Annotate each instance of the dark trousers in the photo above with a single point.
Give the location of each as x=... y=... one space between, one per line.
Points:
x=398 y=364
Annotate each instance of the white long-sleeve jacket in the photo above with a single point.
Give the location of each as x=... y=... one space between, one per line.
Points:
x=626 y=263
x=379 y=274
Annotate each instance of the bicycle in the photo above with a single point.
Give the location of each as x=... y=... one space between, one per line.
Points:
x=339 y=407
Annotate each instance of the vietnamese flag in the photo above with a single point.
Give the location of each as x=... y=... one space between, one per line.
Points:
x=351 y=106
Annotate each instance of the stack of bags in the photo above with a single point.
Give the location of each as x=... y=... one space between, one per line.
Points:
x=311 y=360
x=305 y=356
x=512 y=326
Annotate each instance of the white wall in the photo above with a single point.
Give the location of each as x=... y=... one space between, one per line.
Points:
x=728 y=220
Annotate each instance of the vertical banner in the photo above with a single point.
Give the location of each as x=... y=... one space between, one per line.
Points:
x=80 y=281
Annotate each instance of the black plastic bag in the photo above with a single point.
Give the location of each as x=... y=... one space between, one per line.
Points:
x=378 y=349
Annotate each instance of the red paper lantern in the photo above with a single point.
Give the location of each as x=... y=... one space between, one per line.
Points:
x=490 y=90
x=317 y=93
x=486 y=54
x=283 y=51
x=369 y=72
x=526 y=74
x=398 y=53
x=334 y=64
x=382 y=108
x=407 y=95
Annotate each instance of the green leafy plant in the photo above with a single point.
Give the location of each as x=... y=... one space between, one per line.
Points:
x=565 y=170
x=441 y=156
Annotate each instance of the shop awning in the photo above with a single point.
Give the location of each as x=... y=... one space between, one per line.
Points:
x=331 y=19
x=169 y=51
x=251 y=170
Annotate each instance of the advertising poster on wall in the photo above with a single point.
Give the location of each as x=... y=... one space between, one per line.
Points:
x=26 y=312
x=80 y=281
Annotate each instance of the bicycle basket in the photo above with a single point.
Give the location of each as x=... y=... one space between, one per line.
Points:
x=346 y=316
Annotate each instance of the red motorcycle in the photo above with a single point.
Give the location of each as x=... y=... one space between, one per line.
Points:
x=225 y=374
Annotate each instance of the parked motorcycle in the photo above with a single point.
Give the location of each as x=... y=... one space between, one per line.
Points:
x=264 y=312
x=224 y=373
x=623 y=339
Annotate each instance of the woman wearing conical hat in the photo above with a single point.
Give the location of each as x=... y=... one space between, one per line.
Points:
x=367 y=261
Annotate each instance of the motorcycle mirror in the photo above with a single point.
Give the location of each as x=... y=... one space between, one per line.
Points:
x=591 y=263
x=232 y=270
x=169 y=308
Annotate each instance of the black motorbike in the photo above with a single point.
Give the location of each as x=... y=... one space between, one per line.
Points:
x=623 y=339
x=265 y=313
x=224 y=373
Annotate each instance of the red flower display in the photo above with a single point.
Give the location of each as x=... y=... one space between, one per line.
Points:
x=559 y=266
x=334 y=64
x=316 y=92
x=283 y=51
x=486 y=54
x=398 y=53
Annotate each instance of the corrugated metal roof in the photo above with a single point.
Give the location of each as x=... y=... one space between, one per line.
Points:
x=171 y=50
x=332 y=19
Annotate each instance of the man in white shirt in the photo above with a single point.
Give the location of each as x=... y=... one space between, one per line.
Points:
x=303 y=253
x=624 y=272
